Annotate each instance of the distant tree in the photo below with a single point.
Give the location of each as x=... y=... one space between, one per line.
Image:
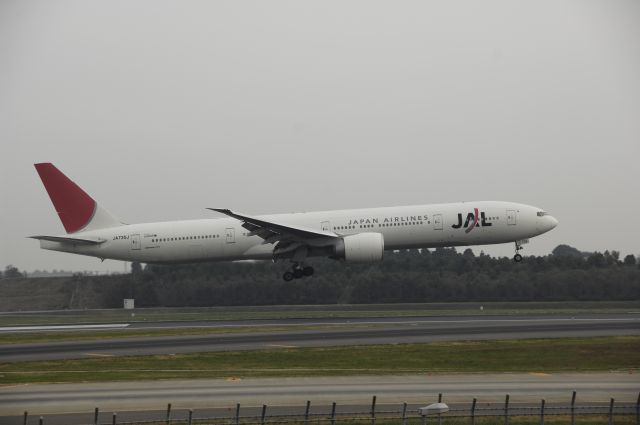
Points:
x=11 y=272
x=566 y=251
x=629 y=260
x=611 y=258
x=597 y=259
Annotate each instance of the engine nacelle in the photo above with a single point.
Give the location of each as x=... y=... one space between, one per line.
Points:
x=363 y=247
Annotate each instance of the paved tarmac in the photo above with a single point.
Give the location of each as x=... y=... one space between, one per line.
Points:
x=74 y=403
x=350 y=332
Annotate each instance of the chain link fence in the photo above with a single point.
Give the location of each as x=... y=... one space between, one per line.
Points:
x=472 y=413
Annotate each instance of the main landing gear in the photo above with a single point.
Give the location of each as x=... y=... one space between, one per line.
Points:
x=298 y=272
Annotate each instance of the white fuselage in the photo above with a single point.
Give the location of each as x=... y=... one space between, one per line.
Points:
x=224 y=239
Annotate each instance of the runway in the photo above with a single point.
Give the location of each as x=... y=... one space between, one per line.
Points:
x=74 y=403
x=333 y=332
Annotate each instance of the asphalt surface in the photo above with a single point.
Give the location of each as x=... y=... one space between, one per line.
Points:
x=75 y=403
x=347 y=332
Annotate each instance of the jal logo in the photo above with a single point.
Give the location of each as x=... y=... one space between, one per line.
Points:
x=472 y=221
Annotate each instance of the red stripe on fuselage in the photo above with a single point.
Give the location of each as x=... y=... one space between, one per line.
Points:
x=75 y=208
x=475 y=221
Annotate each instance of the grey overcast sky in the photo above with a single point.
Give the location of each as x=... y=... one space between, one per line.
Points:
x=159 y=109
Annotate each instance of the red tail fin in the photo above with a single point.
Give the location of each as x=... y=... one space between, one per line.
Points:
x=75 y=208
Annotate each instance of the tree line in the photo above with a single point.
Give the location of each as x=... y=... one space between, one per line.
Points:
x=438 y=275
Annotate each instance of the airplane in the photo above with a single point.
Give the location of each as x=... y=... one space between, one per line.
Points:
x=356 y=235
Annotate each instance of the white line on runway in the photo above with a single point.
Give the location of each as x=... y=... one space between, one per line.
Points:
x=354 y=322
x=63 y=327
x=392 y=322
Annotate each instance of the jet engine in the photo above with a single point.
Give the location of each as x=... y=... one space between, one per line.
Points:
x=363 y=248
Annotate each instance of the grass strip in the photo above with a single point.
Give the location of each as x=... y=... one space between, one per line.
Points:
x=581 y=419
x=530 y=355
x=627 y=419
x=55 y=336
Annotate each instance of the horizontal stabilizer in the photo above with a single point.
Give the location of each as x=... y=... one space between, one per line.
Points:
x=74 y=241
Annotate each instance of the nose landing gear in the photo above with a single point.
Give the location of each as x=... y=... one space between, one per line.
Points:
x=517 y=258
x=298 y=272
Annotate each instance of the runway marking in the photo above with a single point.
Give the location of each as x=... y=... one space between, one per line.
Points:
x=539 y=374
x=99 y=355
x=282 y=346
x=356 y=322
x=63 y=327
x=208 y=370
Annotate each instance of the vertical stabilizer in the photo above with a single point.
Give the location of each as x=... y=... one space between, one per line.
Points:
x=76 y=209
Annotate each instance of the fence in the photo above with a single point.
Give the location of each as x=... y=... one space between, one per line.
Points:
x=402 y=414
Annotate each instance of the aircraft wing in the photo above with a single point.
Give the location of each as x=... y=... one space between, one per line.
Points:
x=274 y=232
x=76 y=241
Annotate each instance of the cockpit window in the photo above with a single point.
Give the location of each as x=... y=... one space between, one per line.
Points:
x=542 y=213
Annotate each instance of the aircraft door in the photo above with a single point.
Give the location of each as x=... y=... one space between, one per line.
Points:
x=437 y=222
x=511 y=217
x=135 y=241
x=150 y=241
x=230 y=234
x=325 y=226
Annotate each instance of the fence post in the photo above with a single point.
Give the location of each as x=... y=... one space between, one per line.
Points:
x=611 y=411
x=542 y=412
x=439 y=415
x=25 y=418
x=190 y=416
x=373 y=411
x=264 y=413
x=168 y=414
x=237 y=418
x=506 y=410
x=41 y=421
x=638 y=410
x=333 y=414
x=404 y=413
x=306 y=412
x=473 y=411
x=573 y=408
x=95 y=416
x=114 y=419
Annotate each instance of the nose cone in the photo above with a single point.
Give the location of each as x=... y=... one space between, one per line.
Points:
x=547 y=223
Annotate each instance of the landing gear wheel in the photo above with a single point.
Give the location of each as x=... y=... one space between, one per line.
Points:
x=517 y=258
x=308 y=271
x=298 y=273
x=287 y=276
